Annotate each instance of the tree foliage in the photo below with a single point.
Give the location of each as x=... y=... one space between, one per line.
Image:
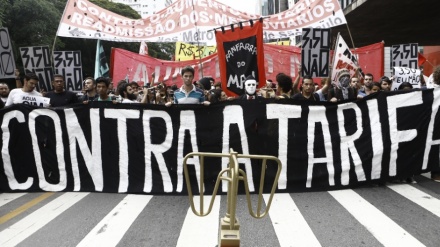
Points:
x=35 y=23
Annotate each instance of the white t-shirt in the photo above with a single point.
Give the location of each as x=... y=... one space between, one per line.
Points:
x=128 y=101
x=18 y=96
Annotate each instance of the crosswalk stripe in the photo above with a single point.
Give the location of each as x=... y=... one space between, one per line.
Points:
x=290 y=226
x=39 y=218
x=419 y=197
x=201 y=231
x=8 y=197
x=383 y=228
x=24 y=207
x=113 y=226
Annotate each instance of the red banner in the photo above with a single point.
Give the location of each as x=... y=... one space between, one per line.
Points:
x=241 y=54
x=277 y=59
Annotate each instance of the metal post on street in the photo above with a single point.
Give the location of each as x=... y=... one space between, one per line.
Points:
x=229 y=230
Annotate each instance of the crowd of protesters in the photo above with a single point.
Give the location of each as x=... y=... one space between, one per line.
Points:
x=206 y=91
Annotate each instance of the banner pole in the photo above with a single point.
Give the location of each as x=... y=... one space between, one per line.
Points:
x=58 y=29
x=198 y=42
x=354 y=47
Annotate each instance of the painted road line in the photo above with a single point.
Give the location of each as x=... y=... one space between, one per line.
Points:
x=382 y=227
x=24 y=207
x=419 y=197
x=16 y=233
x=289 y=224
x=201 y=231
x=115 y=224
x=8 y=197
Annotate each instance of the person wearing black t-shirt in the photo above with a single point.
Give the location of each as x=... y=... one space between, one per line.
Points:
x=59 y=96
x=307 y=90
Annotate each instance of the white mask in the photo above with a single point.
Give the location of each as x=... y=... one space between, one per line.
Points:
x=250 y=86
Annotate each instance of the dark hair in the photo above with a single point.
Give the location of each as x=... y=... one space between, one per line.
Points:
x=89 y=78
x=205 y=82
x=187 y=69
x=133 y=83
x=404 y=85
x=103 y=80
x=385 y=78
x=58 y=75
x=370 y=75
x=307 y=77
x=377 y=84
x=284 y=82
x=122 y=88
x=31 y=76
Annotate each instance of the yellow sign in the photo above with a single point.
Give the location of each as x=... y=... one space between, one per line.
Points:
x=285 y=42
x=186 y=51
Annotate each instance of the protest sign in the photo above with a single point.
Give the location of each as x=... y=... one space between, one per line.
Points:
x=36 y=59
x=7 y=61
x=409 y=75
x=69 y=65
x=186 y=51
x=315 y=52
x=405 y=55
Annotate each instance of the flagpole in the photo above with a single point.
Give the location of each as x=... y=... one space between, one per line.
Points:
x=58 y=29
x=198 y=42
x=97 y=62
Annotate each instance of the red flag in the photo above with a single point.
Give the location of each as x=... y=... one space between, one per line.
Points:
x=421 y=59
x=240 y=54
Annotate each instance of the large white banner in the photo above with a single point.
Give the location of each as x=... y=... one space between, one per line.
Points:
x=68 y=64
x=36 y=59
x=191 y=21
x=7 y=61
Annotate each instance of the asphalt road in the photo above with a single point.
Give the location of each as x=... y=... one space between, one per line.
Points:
x=390 y=215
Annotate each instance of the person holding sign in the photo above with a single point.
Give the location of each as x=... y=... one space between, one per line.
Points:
x=307 y=90
x=27 y=94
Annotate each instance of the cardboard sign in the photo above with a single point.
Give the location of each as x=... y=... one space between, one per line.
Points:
x=405 y=55
x=315 y=52
x=7 y=61
x=36 y=59
x=186 y=51
x=402 y=74
x=68 y=64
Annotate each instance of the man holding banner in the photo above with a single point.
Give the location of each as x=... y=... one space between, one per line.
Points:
x=59 y=96
x=27 y=94
x=188 y=93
